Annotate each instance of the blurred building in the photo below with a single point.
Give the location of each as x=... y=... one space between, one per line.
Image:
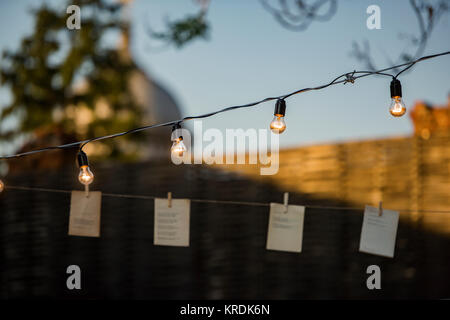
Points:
x=430 y=120
x=157 y=103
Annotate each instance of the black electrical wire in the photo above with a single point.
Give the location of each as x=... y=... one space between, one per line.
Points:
x=349 y=77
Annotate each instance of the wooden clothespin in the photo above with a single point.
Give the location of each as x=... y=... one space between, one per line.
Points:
x=86 y=190
x=285 y=201
x=380 y=209
x=169 y=199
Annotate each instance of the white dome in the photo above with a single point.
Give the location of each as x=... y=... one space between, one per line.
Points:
x=158 y=105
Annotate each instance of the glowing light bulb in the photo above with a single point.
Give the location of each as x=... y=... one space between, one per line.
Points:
x=2 y=186
x=278 y=125
x=86 y=176
x=397 y=107
x=178 y=147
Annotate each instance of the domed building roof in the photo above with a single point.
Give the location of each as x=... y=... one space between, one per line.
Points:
x=158 y=106
x=161 y=106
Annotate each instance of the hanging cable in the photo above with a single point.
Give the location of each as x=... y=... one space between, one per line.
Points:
x=347 y=77
x=226 y=202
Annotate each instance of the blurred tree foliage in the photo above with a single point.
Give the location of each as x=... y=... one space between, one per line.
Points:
x=59 y=78
x=182 y=31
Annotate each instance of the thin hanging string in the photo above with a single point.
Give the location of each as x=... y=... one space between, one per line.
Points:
x=348 y=77
x=226 y=202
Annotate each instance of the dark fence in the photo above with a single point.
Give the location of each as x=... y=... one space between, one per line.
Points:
x=226 y=258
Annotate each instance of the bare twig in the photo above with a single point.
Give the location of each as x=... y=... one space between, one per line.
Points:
x=427 y=16
x=297 y=15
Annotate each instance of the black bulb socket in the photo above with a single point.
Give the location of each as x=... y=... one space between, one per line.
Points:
x=396 y=88
x=280 y=108
x=176 y=126
x=176 y=135
x=82 y=159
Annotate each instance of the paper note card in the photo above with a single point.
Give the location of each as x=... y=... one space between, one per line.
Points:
x=285 y=228
x=379 y=232
x=172 y=224
x=85 y=214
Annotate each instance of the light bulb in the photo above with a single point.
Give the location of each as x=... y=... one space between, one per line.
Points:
x=278 y=125
x=2 y=186
x=86 y=176
x=178 y=147
x=397 y=108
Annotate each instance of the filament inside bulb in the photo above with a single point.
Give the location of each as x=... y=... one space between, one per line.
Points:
x=2 y=186
x=397 y=108
x=178 y=147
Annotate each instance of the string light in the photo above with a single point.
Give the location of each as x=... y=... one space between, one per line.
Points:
x=86 y=176
x=178 y=147
x=278 y=125
x=2 y=186
x=397 y=107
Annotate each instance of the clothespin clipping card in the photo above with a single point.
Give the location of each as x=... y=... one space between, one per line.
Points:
x=169 y=199
x=380 y=209
x=172 y=220
x=285 y=230
x=285 y=202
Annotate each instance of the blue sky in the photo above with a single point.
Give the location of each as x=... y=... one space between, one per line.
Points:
x=249 y=56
